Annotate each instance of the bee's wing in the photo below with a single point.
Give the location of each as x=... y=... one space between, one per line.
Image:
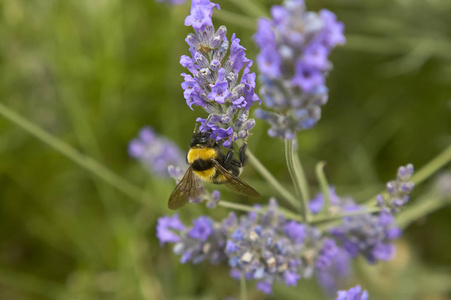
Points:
x=234 y=183
x=189 y=187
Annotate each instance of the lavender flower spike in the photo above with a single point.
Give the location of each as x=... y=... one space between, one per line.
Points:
x=263 y=246
x=155 y=152
x=215 y=84
x=370 y=235
x=354 y=293
x=268 y=248
x=205 y=240
x=398 y=190
x=293 y=60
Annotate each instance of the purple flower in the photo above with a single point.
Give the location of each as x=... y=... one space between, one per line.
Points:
x=332 y=34
x=155 y=152
x=317 y=203
x=214 y=199
x=265 y=287
x=216 y=84
x=307 y=76
x=265 y=34
x=219 y=91
x=231 y=247
x=271 y=249
x=202 y=228
x=291 y=278
x=293 y=60
x=336 y=273
x=327 y=254
x=295 y=231
x=165 y=226
x=366 y=234
x=202 y=241
x=269 y=62
x=354 y=293
x=266 y=247
x=201 y=12
x=398 y=190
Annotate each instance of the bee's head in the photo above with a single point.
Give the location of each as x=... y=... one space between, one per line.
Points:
x=202 y=139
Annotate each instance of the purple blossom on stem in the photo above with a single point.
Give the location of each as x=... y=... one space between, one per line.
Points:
x=165 y=228
x=268 y=248
x=202 y=228
x=334 y=275
x=293 y=60
x=215 y=84
x=155 y=152
x=205 y=240
x=354 y=293
x=370 y=235
x=398 y=190
x=263 y=245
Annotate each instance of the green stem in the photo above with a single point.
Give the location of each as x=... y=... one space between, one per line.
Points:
x=271 y=179
x=243 y=290
x=241 y=207
x=235 y=206
x=297 y=175
x=433 y=166
x=324 y=185
x=302 y=179
x=84 y=161
x=421 y=208
x=321 y=219
x=424 y=173
x=239 y=20
x=250 y=8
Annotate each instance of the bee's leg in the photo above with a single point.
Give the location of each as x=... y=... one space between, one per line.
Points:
x=229 y=156
x=242 y=153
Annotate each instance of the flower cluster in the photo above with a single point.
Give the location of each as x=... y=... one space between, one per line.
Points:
x=293 y=61
x=354 y=293
x=267 y=247
x=263 y=245
x=398 y=190
x=155 y=152
x=366 y=234
x=215 y=83
x=205 y=240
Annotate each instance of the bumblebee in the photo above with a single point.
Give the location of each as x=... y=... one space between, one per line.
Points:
x=208 y=163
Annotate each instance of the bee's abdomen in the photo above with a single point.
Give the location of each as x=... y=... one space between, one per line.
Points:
x=204 y=169
x=201 y=164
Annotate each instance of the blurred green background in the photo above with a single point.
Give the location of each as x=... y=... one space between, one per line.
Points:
x=93 y=72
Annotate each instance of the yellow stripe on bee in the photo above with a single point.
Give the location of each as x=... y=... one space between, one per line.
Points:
x=206 y=175
x=220 y=179
x=201 y=153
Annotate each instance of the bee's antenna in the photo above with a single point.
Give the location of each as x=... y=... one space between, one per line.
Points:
x=206 y=122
